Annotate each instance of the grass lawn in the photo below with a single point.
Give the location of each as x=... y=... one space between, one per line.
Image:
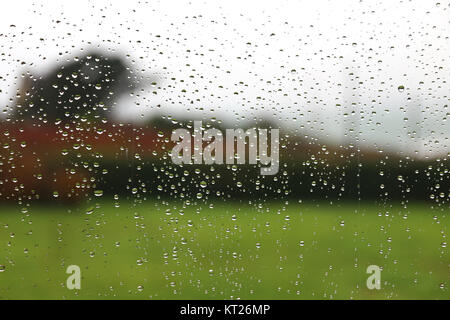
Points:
x=159 y=250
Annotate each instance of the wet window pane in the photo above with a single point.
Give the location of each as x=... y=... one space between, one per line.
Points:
x=224 y=150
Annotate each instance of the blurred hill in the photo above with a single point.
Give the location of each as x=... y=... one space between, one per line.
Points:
x=61 y=143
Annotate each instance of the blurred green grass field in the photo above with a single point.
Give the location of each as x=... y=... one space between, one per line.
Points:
x=160 y=250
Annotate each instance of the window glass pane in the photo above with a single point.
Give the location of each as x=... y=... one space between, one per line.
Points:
x=224 y=149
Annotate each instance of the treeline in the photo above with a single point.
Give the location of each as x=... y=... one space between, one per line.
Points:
x=295 y=180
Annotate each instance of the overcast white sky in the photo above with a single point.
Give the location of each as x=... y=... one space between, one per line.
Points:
x=301 y=62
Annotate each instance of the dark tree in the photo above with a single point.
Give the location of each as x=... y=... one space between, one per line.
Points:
x=86 y=87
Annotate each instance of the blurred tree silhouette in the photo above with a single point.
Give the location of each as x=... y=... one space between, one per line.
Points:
x=86 y=87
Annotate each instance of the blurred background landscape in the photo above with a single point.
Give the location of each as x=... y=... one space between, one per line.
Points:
x=90 y=93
